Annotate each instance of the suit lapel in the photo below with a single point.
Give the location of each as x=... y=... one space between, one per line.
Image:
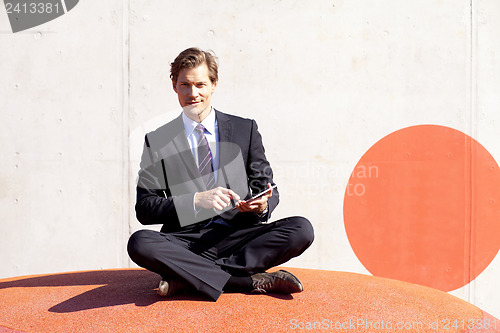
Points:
x=225 y=137
x=183 y=150
x=231 y=166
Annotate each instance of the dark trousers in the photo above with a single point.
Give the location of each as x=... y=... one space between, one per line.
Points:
x=206 y=257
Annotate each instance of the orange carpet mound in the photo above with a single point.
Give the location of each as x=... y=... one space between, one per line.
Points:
x=125 y=300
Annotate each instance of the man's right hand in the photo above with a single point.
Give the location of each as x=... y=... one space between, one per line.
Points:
x=218 y=198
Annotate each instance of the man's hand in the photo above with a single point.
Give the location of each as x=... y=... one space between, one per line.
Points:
x=257 y=205
x=218 y=198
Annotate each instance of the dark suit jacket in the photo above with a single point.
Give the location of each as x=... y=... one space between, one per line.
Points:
x=169 y=177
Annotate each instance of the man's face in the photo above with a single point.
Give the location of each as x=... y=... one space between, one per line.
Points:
x=194 y=90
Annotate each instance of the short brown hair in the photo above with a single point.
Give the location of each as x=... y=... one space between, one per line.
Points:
x=194 y=57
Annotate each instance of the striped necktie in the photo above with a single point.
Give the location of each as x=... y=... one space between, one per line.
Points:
x=205 y=158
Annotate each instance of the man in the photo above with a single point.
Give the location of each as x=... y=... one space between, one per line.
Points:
x=198 y=175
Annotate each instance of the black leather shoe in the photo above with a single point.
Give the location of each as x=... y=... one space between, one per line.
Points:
x=281 y=282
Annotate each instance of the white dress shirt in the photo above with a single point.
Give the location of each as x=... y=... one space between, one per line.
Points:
x=211 y=133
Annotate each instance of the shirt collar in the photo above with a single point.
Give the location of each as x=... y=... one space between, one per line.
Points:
x=208 y=123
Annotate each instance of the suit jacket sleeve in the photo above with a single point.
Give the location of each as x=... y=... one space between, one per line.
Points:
x=155 y=203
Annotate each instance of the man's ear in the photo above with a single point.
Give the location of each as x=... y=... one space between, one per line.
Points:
x=214 y=85
x=173 y=86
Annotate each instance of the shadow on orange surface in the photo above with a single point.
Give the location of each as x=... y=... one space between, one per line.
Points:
x=115 y=287
x=125 y=300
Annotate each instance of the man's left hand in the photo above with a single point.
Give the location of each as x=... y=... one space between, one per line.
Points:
x=257 y=205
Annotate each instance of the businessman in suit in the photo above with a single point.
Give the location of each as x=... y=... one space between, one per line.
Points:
x=198 y=176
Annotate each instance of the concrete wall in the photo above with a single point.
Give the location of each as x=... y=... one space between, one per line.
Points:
x=325 y=80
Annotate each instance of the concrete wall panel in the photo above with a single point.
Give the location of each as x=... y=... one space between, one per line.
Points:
x=62 y=176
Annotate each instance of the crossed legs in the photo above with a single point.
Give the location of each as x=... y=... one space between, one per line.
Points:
x=206 y=258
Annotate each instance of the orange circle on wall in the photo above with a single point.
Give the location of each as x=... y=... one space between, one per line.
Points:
x=423 y=206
